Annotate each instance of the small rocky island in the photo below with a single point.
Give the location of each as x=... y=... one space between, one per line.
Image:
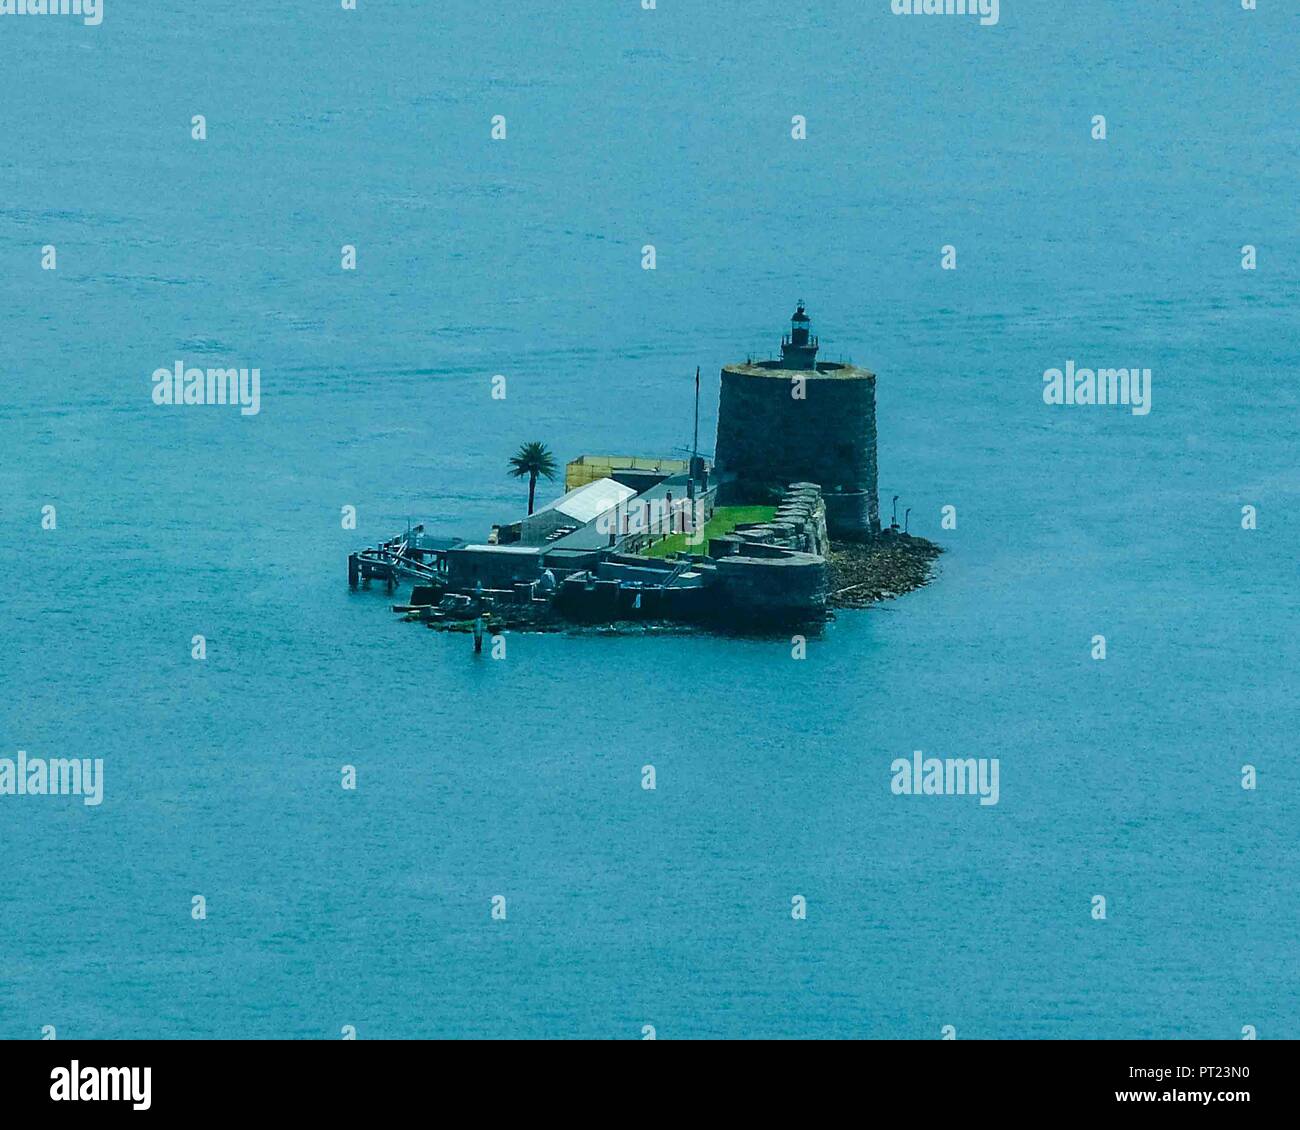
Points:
x=779 y=530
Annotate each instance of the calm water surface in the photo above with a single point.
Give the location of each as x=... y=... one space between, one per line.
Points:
x=521 y=777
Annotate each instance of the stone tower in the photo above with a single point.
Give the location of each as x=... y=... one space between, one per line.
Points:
x=801 y=420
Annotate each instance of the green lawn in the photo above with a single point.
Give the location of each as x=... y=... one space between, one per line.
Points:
x=724 y=520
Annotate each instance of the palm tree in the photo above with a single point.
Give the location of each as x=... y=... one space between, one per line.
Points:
x=532 y=460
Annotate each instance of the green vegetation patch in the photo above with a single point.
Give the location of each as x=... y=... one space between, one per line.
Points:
x=724 y=520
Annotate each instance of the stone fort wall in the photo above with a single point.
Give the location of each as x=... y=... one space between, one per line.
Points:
x=767 y=439
x=776 y=569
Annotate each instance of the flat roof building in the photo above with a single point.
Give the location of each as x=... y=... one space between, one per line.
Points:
x=572 y=511
x=639 y=471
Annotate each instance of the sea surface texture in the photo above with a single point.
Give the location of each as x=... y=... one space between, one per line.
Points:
x=521 y=777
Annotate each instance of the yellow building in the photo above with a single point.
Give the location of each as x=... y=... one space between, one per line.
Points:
x=623 y=468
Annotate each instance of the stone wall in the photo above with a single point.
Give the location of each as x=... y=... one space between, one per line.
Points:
x=768 y=438
x=789 y=587
x=776 y=569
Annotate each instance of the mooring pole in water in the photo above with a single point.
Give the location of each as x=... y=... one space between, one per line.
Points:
x=478 y=635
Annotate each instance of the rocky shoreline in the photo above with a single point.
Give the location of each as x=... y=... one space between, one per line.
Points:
x=862 y=574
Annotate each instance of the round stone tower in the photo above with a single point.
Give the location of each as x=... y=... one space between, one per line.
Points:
x=801 y=420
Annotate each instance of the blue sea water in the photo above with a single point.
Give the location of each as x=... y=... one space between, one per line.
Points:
x=521 y=777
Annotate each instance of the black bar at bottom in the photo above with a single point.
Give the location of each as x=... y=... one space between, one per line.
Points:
x=336 y=1079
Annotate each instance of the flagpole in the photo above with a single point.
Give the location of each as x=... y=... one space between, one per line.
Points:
x=695 y=447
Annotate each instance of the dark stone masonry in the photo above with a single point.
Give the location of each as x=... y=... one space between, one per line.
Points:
x=794 y=419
